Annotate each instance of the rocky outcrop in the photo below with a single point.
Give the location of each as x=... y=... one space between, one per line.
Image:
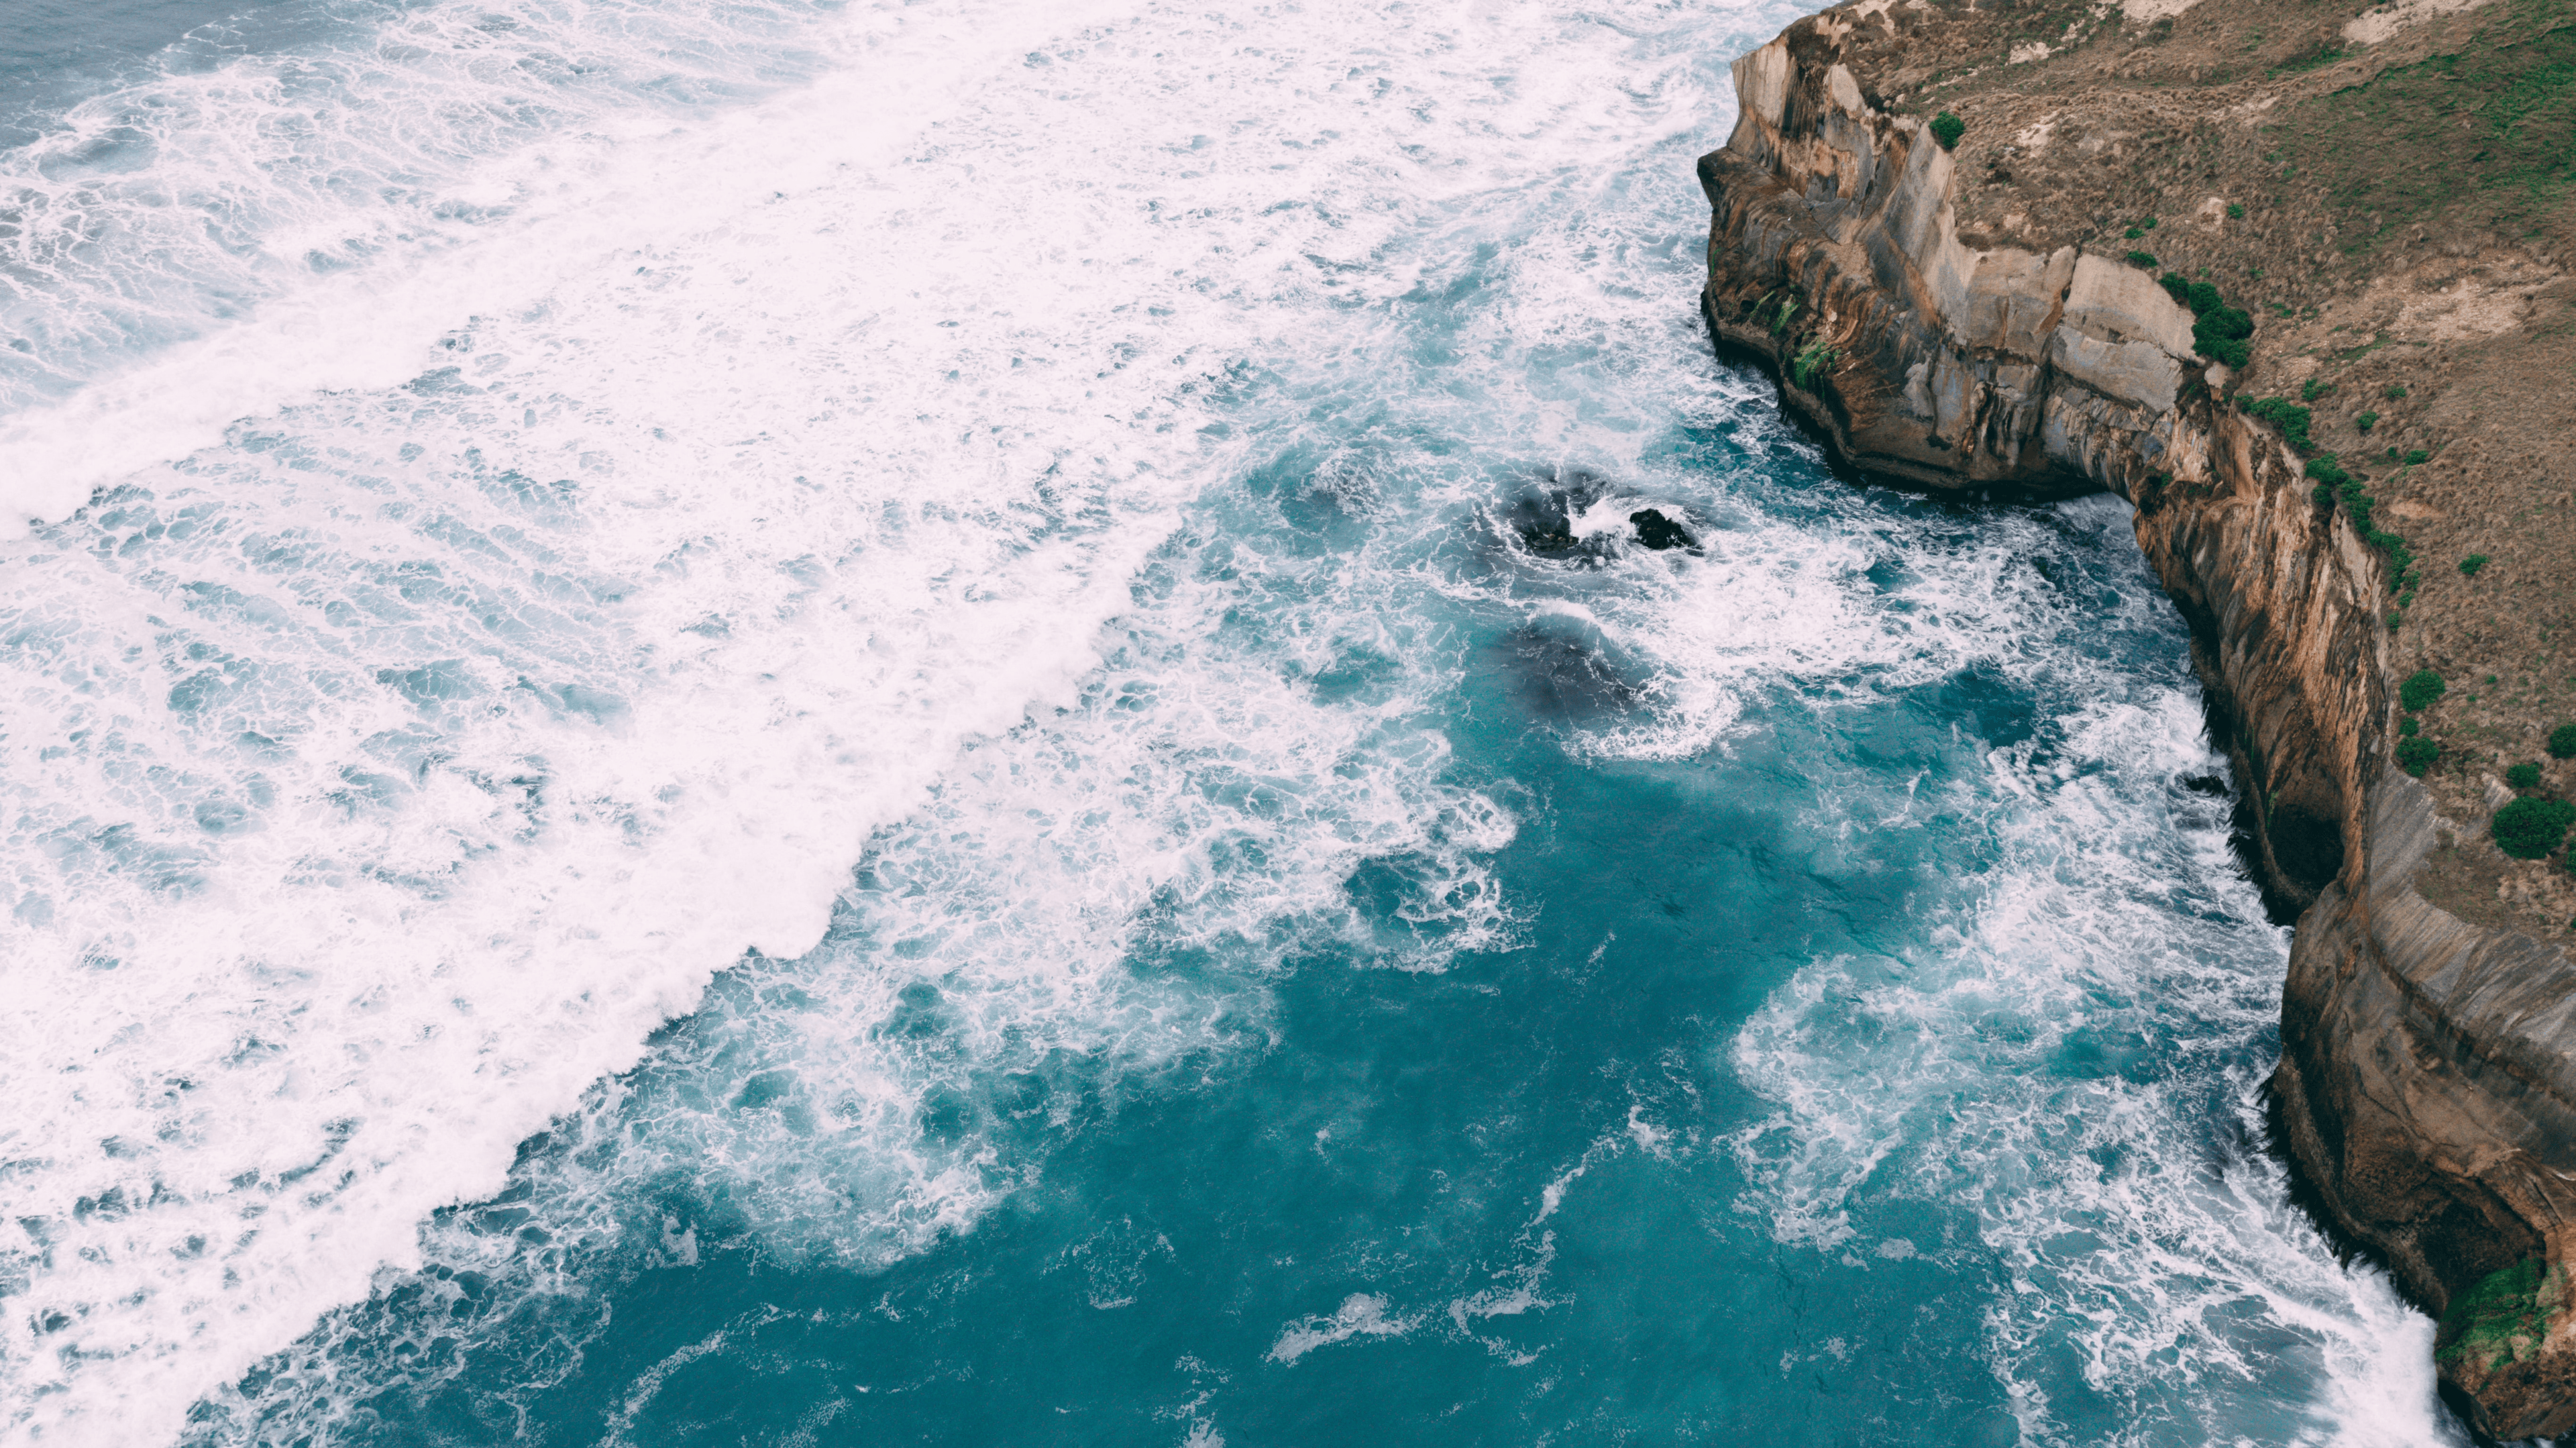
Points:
x=2427 y=1090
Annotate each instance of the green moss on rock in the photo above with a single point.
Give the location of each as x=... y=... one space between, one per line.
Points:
x=2498 y=1321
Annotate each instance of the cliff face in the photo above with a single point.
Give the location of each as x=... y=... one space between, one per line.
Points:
x=2427 y=1089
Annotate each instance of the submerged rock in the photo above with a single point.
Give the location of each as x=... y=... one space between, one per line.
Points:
x=1542 y=514
x=1563 y=671
x=1659 y=532
x=1547 y=517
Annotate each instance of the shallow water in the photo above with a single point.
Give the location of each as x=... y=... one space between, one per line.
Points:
x=795 y=723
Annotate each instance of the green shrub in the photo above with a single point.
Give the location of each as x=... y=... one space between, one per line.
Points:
x=2471 y=564
x=2219 y=330
x=1947 y=129
x=2311 y=389
x=2392 y=455
x=2149 y=223
x=2523 y=776
x=2415 y=754
x=2416 y=457
x=2145 y=259
x=2222 y=324
x=2289 y=417
x=2134 y=233
x=2528 y=829
x=2562 y=742
x=2235 y=212
x=2419 y=691
x=2366 y=421
x=2394 y=392
x=2408 y=727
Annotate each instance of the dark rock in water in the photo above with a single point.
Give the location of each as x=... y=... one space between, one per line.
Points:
x=1543 y=512
x=1659 y=532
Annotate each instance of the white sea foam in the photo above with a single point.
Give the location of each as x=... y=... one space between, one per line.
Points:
x=384 y=772
x=2049 y=1068
x=1360 y=1315
x=409 y=748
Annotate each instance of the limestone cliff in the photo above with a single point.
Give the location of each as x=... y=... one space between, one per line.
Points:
x=2427 y=1090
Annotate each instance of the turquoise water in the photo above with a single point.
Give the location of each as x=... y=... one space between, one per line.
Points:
x=799 y=724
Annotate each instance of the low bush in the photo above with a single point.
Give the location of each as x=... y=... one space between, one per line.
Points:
x=2420 y=691
x=2562 y=742
x=2221 y=334
x=2312 y=389
x=2415 y=754
x=2395 y=391
x=2289 y=417
x=2528 y=829
x=2470 y=565
x=2408 y=727
x=1947 y=129
x=2366 y=421
x=2523 y=776
x=2218 y=331
x=2235 y=211
x=2416 y=457
x=2145 y=259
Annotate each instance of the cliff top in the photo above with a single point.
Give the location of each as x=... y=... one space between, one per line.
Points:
x=2391 y=192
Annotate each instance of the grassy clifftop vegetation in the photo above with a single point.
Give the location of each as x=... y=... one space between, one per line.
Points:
x=2485 y=134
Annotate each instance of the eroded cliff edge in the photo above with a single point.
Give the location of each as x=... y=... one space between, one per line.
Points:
x=2427 y=1089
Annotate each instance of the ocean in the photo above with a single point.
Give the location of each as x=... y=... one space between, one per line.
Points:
x=774 y=722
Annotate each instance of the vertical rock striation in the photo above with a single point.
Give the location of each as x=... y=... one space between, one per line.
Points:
x=2427 y=1088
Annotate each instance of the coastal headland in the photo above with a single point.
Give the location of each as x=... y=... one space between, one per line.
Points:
x=2292 y=281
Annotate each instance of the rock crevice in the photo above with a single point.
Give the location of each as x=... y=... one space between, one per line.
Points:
x=2427 y=1089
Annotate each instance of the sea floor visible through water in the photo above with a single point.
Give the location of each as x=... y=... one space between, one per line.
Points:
x=758 y=722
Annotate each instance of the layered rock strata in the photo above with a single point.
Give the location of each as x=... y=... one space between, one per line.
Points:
x=2427 y=1089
